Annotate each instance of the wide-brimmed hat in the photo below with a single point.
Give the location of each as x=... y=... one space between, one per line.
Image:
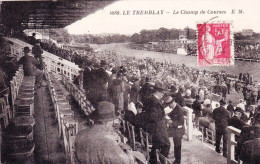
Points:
x=105 y=111
x=26 y=49
x=238 y=109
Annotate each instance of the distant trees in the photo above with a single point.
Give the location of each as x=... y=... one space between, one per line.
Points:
x=146 y=36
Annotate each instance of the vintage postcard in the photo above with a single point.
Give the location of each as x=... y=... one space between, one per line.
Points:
x=129 y=81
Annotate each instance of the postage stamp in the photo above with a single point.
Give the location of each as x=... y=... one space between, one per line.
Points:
x=215 y=44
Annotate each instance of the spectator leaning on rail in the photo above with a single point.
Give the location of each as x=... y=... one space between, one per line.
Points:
x=98 y=144
x=221 y=115
x=30 y=65
x=250 y=152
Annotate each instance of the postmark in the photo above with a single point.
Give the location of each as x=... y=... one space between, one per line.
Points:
x=215 y=43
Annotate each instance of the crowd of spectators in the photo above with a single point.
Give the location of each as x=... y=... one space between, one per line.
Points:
x=126 y=80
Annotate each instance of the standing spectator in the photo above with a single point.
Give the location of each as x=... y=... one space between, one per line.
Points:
x=221 y=115
x=176 y=126
x=179 y=98
x=30 y=66
x=250 y=152
x=247 y=132
x=37 y=52
x=230 y=108
x=158 y=126
x=196 y=106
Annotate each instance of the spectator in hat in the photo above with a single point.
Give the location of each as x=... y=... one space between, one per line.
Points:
x=236 y=121
x=187 y=99
x=37 y=52
x=157 y=123
x=250 y=152
x=179 y=97
x=176 y=129
x=98 y=144
x=230 y=108
x=247 y=133
x=30 y=66
x=196 y=106
x=221 y=115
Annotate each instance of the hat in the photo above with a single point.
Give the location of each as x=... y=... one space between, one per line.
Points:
x=222 y=102
x=238 y=109
x=103 y=63
x=169 y=99
x=159 y=86
x=26 y=49
x=173 y=88
x=105 y=111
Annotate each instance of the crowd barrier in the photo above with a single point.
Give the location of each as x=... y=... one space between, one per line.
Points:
x=67 y=124
x=231 y=144
x=53 y=62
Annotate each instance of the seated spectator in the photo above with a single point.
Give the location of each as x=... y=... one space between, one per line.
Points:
x=250 y=152
x=30 y=66
x=242 y=105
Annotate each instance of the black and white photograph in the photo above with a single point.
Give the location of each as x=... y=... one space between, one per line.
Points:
x=130 y=82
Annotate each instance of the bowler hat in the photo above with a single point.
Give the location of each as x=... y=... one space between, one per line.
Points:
x=105 y=111
x=222 y=102
x=26 y=49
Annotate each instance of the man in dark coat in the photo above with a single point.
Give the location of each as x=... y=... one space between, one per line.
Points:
x=250 y=152
x=235 y=121
x=247 y=132
x=230 y=108
x=179 y=98
x=196 y=106
x=157 y=126
x=176 y=129
x=37 y=52
x=221 y=115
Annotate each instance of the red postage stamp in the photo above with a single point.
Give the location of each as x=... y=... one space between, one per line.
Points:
x=215 y=44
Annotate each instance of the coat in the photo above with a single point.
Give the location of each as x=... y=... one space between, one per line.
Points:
x=250 y=152
x=236 y=122
x=221 y=115
x=176 y=129
x=247 y=133
x=98 y=145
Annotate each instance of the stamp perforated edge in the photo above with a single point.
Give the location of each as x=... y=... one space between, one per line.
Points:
x=231 y=42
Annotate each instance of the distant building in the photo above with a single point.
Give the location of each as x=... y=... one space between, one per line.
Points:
x=247 y=32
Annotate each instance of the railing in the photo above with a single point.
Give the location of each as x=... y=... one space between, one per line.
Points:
x=78 y=95
x=231 y=143
x=53 y=62
x=189 y=123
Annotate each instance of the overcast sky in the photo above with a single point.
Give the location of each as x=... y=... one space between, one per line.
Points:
x=103 y=22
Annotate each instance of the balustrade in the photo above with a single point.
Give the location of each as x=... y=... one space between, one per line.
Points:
x=53 y=62
x=231 y=143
